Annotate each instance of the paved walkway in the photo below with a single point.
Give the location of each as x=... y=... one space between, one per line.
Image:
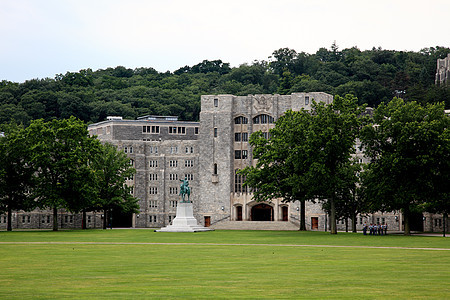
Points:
x=217 y=244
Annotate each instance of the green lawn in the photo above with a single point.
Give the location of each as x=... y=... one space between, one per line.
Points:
x=215 y=268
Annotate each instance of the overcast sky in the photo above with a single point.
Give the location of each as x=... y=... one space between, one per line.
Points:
x=42 y=38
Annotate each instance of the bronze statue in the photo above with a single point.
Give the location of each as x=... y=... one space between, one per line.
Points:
x=185 y=190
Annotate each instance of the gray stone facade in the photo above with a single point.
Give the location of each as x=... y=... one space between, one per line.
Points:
x=164 y=150
x=443 y=71
x=226 y=123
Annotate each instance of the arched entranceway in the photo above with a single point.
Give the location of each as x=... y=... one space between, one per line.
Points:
x=262 y=212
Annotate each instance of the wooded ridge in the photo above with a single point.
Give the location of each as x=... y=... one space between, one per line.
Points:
x=373 y=76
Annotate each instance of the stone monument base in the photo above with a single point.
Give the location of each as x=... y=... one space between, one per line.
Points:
x=184 y=220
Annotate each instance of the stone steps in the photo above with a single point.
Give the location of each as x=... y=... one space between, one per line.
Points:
x=254 y=225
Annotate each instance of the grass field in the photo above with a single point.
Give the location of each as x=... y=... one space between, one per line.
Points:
x=142 y=264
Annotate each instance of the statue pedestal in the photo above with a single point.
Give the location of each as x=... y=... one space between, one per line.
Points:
x=184 y=220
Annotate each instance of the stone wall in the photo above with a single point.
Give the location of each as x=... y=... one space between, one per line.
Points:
x=443 y=71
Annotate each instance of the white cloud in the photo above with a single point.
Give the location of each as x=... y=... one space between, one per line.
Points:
x=42 y=38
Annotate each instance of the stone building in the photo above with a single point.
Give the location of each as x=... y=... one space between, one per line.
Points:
x=443 y=71
x=226 y=123
x=208 y=153
x=163 y=150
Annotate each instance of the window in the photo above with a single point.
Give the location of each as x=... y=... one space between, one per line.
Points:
x=215 y=169
x=245 y=136
x=177 y=130
x=153 y=177
x=174 y=150
x=263 y=119
x=306 y=100
x=189 y=150
x=196 y=130
x=173 y=163
x=216 y=102
x=173 y=176
x=128 y=149
x=189 y=176
x=150 y=129
x=153 y=164
x=215 y=132
x=173 y=190
x=131 y=162
x=131 y=190
x=153 y=190
x=266 y=135
x=237 y=137
x=188 y=163
x=153 y=150
x=173 y=203
x=152 y=219
x=240 y=154
x=153 y=203
x=239 y=182
x=240 y=120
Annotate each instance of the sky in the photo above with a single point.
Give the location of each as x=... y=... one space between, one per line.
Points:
x=43 y=38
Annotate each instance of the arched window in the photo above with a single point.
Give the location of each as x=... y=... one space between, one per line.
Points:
x=240 y=120
x=263 y=119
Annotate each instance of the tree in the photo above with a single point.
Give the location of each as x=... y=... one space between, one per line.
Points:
x=16 y=173
x=348 y=202
x=305 y=155
x=279 y=169
x=331 y=139
x=409 y=157
x=60 y=155
x=112 y=168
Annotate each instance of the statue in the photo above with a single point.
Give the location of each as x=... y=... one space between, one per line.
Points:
x=184 y=220
x=185 y=190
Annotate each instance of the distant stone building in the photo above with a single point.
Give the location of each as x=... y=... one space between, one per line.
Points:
x=443 y=71
x=209 y=154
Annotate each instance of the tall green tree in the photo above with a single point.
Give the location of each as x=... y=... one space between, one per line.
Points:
x=61 y=150
x=408 y=147
x=306 y=155
x=112 y=168
x=280 y=164
x=16 y=172
x=331 y=140
x=348 y=203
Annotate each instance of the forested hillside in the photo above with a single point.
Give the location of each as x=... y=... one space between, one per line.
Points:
x=374 y=76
